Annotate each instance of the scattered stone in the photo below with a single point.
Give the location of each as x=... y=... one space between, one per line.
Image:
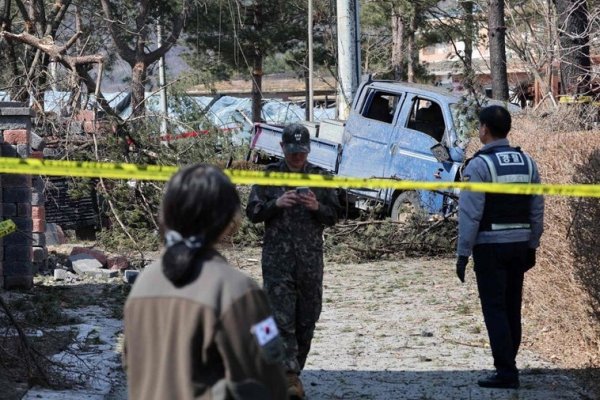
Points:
x=54 y=235
x=84 y=264
x=63 y=275
x=118 y=263
x=130 y=275
x=97 y=254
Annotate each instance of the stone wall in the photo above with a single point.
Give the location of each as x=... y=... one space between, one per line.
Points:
x=21 y=252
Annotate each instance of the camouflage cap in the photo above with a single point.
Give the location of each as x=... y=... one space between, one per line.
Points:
x=296 y=139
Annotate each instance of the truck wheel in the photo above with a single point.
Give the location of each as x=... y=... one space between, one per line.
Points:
x=406 y=205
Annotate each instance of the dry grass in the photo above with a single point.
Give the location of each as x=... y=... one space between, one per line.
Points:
x=559 y=316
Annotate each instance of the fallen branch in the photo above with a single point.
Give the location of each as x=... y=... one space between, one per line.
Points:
x=30 y=352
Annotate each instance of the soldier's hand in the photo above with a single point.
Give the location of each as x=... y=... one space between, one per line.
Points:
x=287 y=199
x=461 y=266
x=309 y=200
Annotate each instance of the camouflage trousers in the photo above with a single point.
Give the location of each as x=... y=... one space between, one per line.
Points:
x=294 y=286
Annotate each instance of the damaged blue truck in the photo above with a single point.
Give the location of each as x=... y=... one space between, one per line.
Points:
x=395 y=130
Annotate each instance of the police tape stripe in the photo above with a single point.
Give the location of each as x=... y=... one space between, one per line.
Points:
x=7 y=227
x=86 y=169
x=90 y=169
x=292 y=179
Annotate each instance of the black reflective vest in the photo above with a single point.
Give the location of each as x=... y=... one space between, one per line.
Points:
x=506 y=211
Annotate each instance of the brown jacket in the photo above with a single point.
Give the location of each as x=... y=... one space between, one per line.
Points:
x=202 y=340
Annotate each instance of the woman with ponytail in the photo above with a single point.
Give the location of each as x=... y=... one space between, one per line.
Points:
x=195 y=327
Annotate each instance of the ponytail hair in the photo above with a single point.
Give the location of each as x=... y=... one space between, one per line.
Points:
x=198 y=205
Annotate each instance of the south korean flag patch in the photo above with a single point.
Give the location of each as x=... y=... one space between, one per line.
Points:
x=265 y=331
x=268 y=339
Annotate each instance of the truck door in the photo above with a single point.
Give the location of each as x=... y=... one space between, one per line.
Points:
x=422 y=123
x=367 y=136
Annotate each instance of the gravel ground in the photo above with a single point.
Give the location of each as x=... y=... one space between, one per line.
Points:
x=408 y=329
x=405 y=329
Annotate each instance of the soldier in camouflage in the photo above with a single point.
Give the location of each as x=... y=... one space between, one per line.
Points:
x=292 y=256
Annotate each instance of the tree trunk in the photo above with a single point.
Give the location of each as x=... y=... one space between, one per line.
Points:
x=497 y=32
x=257 y=71
x=574 y=46
x=138 y=89
x=257 y=74
x=397 y=44
x=411 y=52
x=469 y=75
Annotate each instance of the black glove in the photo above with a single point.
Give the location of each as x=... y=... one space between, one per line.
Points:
x=461 y=265
x=530 y=259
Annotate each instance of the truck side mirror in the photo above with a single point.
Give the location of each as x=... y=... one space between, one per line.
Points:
x=440 y=152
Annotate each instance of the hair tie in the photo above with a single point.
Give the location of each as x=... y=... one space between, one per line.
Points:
x=173 y=237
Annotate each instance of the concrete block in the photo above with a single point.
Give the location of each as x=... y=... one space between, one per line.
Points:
x=39 y=254
x=64 y=275
x=130 y=275
x=24 y=224
x=18 y=282
x=89 y=127
x=9 y=122
x=17 y=268
x=76 y=127
x=17 y=253
x=17 y=239
x=9 y=209
x=88 y=266
x=38 y=184
x=8 y=150
x=97 y=254
x=50 y=152
x=38 y=239
x=80 y=262
x=15 y=108
x=37 y=199
x=16 y=136
x=38 y=212
x=118 y=263
x=13 y=180
x=37 y=142
x=23 y=150
x=24 y=209
x=85 y=115
x=16 y=195
x=54 y=235
x=38 y=225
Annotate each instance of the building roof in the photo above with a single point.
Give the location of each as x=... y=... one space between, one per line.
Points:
x=273 y=86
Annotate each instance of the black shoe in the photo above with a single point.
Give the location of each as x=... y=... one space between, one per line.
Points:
x=495 y=381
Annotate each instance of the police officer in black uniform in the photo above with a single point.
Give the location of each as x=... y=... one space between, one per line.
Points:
x=502 y=232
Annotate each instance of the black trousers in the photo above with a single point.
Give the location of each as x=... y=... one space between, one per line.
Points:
x=499 y=269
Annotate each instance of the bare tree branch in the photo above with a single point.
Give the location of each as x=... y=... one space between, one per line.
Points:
x=54 y=51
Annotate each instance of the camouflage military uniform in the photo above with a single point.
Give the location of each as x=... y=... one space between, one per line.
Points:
x=292 y=260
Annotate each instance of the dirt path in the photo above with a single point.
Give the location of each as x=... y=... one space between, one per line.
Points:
x=409 y=330
x=402 y=330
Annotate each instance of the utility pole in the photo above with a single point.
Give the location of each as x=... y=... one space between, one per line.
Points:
x=348 y=30
x=164 y=111
x=310 y=99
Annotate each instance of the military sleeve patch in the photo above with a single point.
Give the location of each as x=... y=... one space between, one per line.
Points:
x=265 y=331
x=466 y=178
x=269 y=341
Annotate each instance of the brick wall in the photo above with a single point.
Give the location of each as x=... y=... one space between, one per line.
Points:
x=23 y=251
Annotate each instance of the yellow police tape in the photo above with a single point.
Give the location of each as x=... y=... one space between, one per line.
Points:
x=7 y=227
x=242 y=177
